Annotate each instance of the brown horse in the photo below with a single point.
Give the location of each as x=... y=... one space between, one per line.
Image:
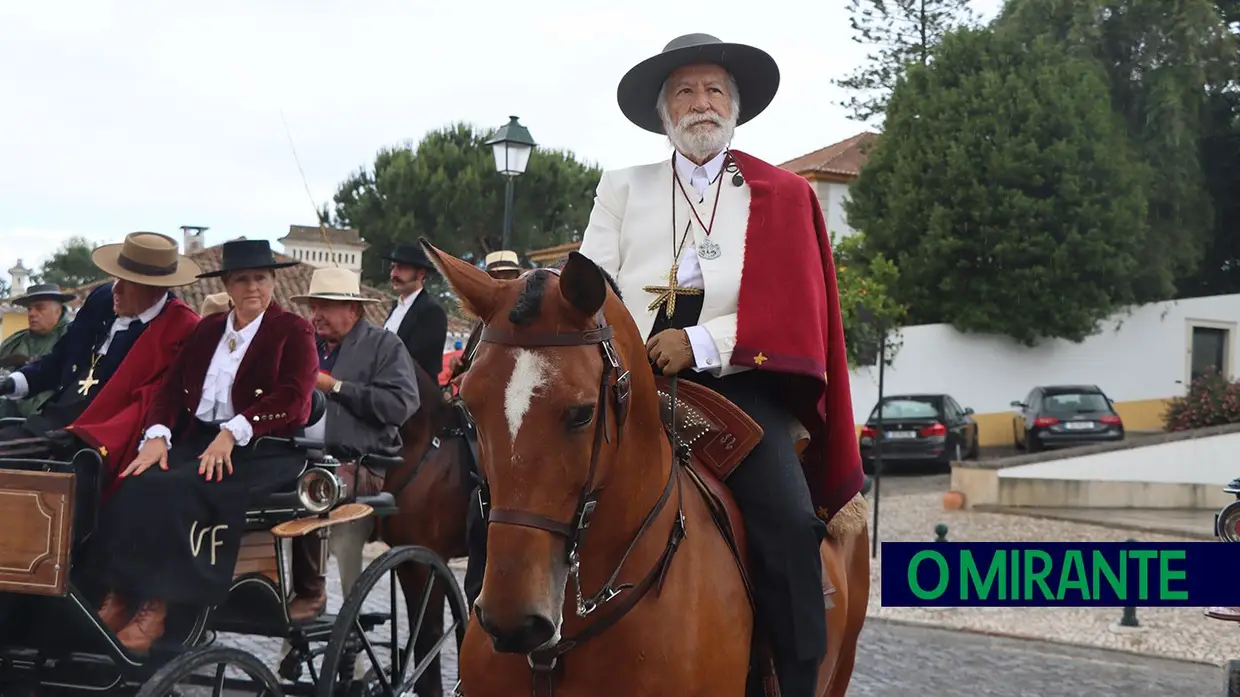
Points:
x=584 y=490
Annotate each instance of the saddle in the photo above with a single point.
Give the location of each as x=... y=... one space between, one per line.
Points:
x=716 y=432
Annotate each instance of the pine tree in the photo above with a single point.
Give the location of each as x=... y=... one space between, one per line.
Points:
x=901 y=32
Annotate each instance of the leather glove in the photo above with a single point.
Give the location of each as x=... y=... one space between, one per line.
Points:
x=7 y=386
x=670 y=351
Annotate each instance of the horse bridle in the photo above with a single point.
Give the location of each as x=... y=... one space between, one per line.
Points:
x=614 y=386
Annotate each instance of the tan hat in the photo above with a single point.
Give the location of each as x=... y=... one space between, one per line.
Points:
x=148 y=258
x=503 y=260
x=216 y=302
x=334 y=284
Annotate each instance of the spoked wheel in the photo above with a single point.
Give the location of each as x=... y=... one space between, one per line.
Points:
x=374 y=650
x=213 y=671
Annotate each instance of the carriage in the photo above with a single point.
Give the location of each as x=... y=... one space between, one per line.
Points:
x=52 y=639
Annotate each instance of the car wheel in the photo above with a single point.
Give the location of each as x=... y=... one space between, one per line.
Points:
x=1031 y=443
x=975 y=450
x=959 y=453
x=1016 y=441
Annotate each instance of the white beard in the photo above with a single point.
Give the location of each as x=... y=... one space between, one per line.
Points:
x=701 y=143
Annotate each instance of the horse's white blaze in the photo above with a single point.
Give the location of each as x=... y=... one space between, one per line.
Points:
x=529 y=373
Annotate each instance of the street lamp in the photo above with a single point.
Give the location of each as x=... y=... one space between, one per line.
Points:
x=512 y=146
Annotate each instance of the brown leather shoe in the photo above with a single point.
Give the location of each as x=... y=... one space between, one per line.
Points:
x=1230 y=614
x=145 y=627
x=305 y=608
x=113 y=612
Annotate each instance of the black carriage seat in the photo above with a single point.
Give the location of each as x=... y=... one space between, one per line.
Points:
x=287 y=499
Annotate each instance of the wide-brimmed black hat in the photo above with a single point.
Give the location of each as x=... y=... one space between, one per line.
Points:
x=247 y=254
x=755 y=72
x=42 y=291
x=410 y=254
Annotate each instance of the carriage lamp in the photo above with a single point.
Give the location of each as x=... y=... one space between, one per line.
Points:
x=511 y=146
x=1227 y=526
x=319 y=490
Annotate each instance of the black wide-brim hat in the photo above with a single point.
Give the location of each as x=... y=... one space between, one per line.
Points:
x=239 y=255
x=755 y=72
x=42 y=291
x=410 y=254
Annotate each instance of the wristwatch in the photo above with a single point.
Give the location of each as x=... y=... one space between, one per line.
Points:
x=336 y=387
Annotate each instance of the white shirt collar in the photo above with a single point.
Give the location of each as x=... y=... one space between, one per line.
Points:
x=245 y=335
x=686 y=167
x=407 y=301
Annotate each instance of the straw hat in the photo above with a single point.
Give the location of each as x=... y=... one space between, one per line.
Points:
x=216 y=302
x=503 y=260
x=334 y=284
x=148 y=258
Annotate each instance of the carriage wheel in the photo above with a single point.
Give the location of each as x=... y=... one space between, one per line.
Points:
x=365 y=630
x=214 y=671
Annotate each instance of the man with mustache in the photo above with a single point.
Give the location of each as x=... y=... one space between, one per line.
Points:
x=417 y=318
x=724 y=261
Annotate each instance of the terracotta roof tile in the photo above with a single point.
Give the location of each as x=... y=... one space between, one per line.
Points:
x=846 y=157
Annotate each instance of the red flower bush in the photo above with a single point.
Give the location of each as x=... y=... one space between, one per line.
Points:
x=1212 y=400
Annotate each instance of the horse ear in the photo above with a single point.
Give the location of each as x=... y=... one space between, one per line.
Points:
x=475 y=287
x=582 y=284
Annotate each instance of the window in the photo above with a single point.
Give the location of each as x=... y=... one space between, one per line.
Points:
x=896 y=409
x=1209 y=351
x=1069 y=403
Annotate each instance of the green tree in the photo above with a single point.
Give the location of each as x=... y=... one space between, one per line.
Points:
x=900 y=32
x=865 y=284
x=71 y=266
x=1162 y=59
x=1004 y=190
x=447 y=190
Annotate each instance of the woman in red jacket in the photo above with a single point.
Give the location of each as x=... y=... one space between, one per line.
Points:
x=172 y=531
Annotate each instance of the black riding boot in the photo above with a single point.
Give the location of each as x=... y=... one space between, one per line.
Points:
x=476 y=541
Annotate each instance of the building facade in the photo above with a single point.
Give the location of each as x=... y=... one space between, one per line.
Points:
x=342 y=247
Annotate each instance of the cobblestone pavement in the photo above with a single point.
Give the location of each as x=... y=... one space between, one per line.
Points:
x=904 y=484
x=904 y=661
x=896 y=660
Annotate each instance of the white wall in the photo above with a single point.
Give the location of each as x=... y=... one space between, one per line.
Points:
x=1209 y=460
x=1134 y=357
x=317 y=254
x=831 y=196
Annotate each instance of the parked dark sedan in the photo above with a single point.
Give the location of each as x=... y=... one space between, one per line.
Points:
x=1059 y=416
x=920 y=429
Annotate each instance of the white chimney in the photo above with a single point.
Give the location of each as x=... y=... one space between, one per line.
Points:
x=192 y=236
x=20 y=277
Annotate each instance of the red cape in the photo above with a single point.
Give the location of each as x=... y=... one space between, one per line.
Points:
x=788 y=255
x=112 y=423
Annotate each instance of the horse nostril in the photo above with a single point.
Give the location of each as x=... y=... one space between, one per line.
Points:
x=530 y=633
x=537 y=631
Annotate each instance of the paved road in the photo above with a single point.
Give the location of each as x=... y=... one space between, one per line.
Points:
x=904 y=661
x=898 y=660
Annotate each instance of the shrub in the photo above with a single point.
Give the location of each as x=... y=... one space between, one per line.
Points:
x=1212 y=400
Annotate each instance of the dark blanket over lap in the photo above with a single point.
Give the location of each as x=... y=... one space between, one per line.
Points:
x=170 y=535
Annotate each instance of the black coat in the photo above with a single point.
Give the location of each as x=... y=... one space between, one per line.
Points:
x=424 y=331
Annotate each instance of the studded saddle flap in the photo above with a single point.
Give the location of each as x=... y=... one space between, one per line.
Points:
x=716 y=431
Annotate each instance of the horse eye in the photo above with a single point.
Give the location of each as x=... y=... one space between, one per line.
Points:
x=576 y=418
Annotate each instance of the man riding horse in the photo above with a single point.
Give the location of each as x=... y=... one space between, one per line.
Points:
x=368 y=377
x=707 y=248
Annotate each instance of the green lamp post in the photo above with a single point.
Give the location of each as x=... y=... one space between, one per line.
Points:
x=511 y=146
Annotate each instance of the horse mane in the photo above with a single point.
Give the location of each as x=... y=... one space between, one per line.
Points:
x=529 y=304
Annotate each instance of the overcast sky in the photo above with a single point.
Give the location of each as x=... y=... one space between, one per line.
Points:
x=145 y=115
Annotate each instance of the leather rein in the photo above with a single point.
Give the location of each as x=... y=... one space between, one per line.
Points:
x=614 y=391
